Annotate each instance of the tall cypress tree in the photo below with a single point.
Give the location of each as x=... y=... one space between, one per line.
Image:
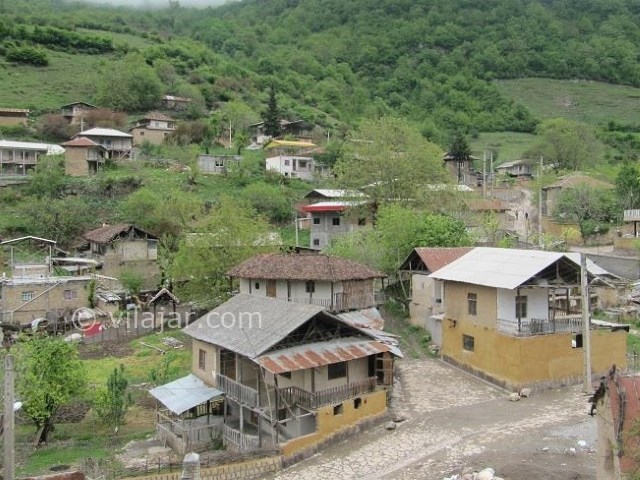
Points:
x=272 y=115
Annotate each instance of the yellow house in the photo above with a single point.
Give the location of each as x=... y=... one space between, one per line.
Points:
x=292 y=376
x=502 y=320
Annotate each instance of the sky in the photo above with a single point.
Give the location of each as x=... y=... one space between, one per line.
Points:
x=159 y=3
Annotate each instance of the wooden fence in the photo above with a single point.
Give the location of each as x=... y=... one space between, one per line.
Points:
x=329 y=396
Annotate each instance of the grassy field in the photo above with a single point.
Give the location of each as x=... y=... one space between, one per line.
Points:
x=586 y=101
x=508 y=145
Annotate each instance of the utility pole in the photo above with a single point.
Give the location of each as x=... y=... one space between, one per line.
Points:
x=9 y=423
x=230 y=141
x=484 y=174
x=295 y=221
x=586 y=330
x=540 y=242
x=491 y=171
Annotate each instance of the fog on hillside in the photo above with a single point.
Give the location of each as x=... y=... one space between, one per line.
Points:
x=157 y=3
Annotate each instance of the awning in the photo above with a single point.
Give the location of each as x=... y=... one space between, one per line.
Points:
x=319 y=354
x=185 y=393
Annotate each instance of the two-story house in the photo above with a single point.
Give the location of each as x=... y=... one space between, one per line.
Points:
x=20 y=158
x=524 y=169
x=290 y=159
x=154 y=128
x=329 y=220
x=125 y=248
x=14 y=116
x=335 y=283
x=83 y=157
x=502 y=320
x=426 y=308
x=299 y=129
x=76 y=112
x=278 y=375
x=116 y=143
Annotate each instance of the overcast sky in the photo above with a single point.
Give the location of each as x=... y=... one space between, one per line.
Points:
x=159 y=3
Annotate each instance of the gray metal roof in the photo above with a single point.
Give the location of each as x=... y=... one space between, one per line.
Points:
x=184 y=393
x=592 y=267
x=498 y=267
x=250 y=325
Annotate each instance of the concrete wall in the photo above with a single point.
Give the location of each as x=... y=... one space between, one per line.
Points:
x=538 y=361
x=329 y=423
x=321 y=234
x=289 y=166
x=456 y=304
x=211 y=362
x=425 y=292
x=154 y=136
x=537 y=303
x=46 y=297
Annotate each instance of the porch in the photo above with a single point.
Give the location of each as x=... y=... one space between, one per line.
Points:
x=188 y=434
x=343 y=302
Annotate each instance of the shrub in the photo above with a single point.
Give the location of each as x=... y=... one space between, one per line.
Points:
x=27 y=55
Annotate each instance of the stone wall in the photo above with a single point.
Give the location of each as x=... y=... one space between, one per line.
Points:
x=249 y=470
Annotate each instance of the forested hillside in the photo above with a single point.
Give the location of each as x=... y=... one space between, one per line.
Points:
x=337 y=62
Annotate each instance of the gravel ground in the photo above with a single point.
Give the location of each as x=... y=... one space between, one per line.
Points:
x=456 y=423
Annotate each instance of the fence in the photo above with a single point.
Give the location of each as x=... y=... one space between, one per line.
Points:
x=120 y=332
x=297 y=396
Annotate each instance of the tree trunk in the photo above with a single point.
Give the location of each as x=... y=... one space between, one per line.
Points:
x=42 y=435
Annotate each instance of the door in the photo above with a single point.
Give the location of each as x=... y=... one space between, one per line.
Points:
x=271 y=288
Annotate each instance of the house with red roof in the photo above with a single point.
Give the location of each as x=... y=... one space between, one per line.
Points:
x=83 y=157
x=335 y=283
x=331 y=219
x=426 y=308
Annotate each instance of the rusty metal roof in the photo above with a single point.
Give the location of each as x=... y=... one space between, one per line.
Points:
x=319 y=354
x=366 y=318
x=433 y=258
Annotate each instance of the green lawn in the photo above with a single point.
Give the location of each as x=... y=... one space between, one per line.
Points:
x=509 y=146
x=582 y=100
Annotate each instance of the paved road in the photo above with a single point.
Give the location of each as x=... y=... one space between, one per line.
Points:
x=457 y=423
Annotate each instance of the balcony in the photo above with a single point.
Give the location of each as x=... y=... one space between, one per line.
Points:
x=344 y=302
x=236 y=391
x=329 y=396
x=560 y=323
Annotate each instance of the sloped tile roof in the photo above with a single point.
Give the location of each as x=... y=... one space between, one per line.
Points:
x=437 y=257
x=80 y=142
x=107 y=233
x=274 y=266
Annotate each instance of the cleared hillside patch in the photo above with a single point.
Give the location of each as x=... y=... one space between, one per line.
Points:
x=587 y=101
x=506 y=146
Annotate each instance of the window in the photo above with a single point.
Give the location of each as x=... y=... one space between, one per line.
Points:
x=336 y=220
x=141 y=133
x=468 y=343
x=357 y=403
x=316 y=242
x=576 y=341
x=152 y=244
x=286 y=375
x=202 y=359
x=302 y=163
x=26 y=296
x=257 y=285
x=310 y=286
x=286 y=163
x=316 y=220
x=521 y=306
x=337 y=370
x=472 y=303
x=70 y=294
x=338 y=409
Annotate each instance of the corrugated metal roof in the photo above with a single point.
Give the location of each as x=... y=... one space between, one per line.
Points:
x=592 y=268
x=335 y=206
x=250 y=325
x=319 y=354
x=48 y=148
x=631 y=215
x=102 y=132
x=498 y=267
x=334 y=193
x=184 y=393
x=366 y=318
x=289 y=143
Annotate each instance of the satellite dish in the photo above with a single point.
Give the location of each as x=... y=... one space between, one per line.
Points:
x=17 y=406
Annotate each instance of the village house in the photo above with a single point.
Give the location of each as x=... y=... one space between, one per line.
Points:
x=116 y=143
x=20 y=158
x=522 y=169
x=76 y=112
x=617 y=403
x=217 y=164
x=425 y=307
x=83 y=157
x=329 y=195
x=289 y=159
x=279 y=375
x=173 y=102
x=30 y=289
x=551 y=193
x=329 y=220
x=14 y=116
x=154 y=128
x=335 y=283
x=298 y=129
x=125 y=248
x=462 y=172
x=502 y=320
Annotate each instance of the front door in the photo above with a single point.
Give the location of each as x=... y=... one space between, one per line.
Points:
x=271 y=288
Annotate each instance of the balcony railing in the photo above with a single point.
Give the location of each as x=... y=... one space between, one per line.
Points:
x=237 y=391
x=343 y=302
x=238 y=440
x=329 y=396
x=560 y=323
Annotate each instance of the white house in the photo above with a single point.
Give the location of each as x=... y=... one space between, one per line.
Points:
x=18 y=158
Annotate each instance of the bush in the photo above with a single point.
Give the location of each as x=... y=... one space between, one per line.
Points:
x=27 y=55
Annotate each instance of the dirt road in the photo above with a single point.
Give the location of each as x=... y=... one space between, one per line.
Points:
x=456 y=424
